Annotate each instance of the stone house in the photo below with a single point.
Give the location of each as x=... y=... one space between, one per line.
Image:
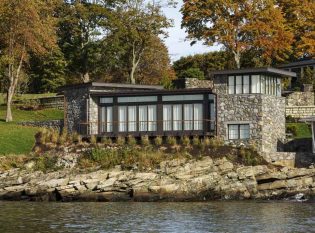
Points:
x=241 y=106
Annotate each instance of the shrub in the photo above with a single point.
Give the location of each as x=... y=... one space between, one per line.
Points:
x=207 y=141
x=93 y=140
x=292 y=129
x=63 y=137
x=54 y=135
x=76 y=138
x=216 y=142
x=158 y=141
x=42 y=136
x=185 y=141
x=120 y=141
x=46 y=163
x=131 y=141
x=171 y=141
x=196 y=141
x=250 y=157
x=145 y=141
x=106 y=141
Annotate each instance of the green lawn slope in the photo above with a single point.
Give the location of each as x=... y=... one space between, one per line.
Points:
x=17 y=139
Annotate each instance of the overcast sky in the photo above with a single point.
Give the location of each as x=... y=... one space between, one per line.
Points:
x=176 y=43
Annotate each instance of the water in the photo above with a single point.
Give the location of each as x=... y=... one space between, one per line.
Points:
x=219 y=216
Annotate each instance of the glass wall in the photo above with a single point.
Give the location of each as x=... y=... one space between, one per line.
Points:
x=106 y=119
x=255 y=84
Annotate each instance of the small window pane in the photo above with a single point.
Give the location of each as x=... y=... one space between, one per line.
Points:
x=167 y=117
x=141 y=99
x=103 y=119
x=231 y=85
x=104 y=100
x=132 y=118
x=246 y=84
x=263 y=85
x=278 y=87
x=188 y=116
x=244 y=131
x=143 y=118
x=181 y=97
x=238 y=84
x=255 y=84
x=198 y=124
x=109 y=118
x=177 y=117
x=152 y=117
x=233 y=131
x=122 y=118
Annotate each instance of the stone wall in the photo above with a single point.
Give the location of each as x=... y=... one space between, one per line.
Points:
x=192 y=83
x=75 y=110
x=93 y=115
x=300 y=111
x=300 y=99
x=280 y=158
x=56 y=124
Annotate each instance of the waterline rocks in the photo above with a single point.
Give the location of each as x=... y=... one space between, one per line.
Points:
x=175 y=180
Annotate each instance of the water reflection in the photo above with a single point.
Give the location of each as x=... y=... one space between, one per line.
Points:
x=157 y=217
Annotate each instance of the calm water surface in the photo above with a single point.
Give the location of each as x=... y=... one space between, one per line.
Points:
x=157 y=217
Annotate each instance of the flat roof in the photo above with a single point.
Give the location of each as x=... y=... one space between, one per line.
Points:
x=151 y=92
x=113 y=86
x=308 y=119
x=298 y=64
x=262 y=70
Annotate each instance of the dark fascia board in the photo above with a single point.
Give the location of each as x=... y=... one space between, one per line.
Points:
x=263 y=70
x=152 y=92
x=307 y=119
x=111 y=86
x=298 y=64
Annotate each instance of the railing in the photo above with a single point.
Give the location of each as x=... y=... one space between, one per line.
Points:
x=300 y=111
x=143 y=127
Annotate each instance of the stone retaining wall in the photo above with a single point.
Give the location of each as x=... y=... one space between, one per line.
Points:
x=300 y=111
x=300 y=99
x=280 y=158
x=56 y=124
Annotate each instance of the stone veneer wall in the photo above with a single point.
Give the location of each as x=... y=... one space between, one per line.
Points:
x=93 y=115
x=300 y=111
x=75 y=109
x=273 y=123
x=300 y=99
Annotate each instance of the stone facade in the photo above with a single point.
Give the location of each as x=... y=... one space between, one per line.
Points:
x=56 y=124
x=75 y=107
x=300 y=111
x=192 y=83
x=300 y=99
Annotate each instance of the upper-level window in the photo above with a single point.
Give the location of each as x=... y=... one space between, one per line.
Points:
x=245 y=84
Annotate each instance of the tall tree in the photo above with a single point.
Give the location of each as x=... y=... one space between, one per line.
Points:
x=300 y=18
x=83 y=24
x=26 y=26
x=138 y=23
x=239 y=26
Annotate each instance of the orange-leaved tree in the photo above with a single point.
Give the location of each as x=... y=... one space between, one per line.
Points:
x=240 y=26
x=26 y=27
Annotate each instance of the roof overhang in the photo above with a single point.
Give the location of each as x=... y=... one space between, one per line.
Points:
x=263 y=70
x=308 y=119
x=310 y=62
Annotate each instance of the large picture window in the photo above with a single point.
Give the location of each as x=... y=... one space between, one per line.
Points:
x=182 y=117
x=238 y=131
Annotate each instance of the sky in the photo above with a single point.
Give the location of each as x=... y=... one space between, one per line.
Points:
x=177 y=45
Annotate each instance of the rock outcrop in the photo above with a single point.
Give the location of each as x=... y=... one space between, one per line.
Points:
x=175 y=180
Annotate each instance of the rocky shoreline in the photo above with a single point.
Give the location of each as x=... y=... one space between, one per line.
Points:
x=176 y=180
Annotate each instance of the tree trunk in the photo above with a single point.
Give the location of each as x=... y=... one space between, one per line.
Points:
x=237 y=58
x=85 y=77
x=135 y=63
x=8 y=117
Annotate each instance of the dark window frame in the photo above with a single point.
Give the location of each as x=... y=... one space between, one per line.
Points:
x=238 y=131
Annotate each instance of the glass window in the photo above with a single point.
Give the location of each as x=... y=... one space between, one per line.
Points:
x=246 y=84
x=198 y=124
x=106 y=121
x=278 y=87
x=109 y=119
x=238 y=131
x=167 y=117
x=244 y=131
x=177 y=117
x=238 y=85
x=122 y=118
x=255 y=84
x=152 y=117
x=212 y=116
x=105 y=100
x=233 y=131
x=188 y=116
x=141 y=99
x=143 y=118
x=263 y=85
x=181 y=97
x=132 y=118
x=231 y=85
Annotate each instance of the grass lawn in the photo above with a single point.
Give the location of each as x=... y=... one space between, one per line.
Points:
x=25 y=96
x=302 y=130
x=16 y=139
